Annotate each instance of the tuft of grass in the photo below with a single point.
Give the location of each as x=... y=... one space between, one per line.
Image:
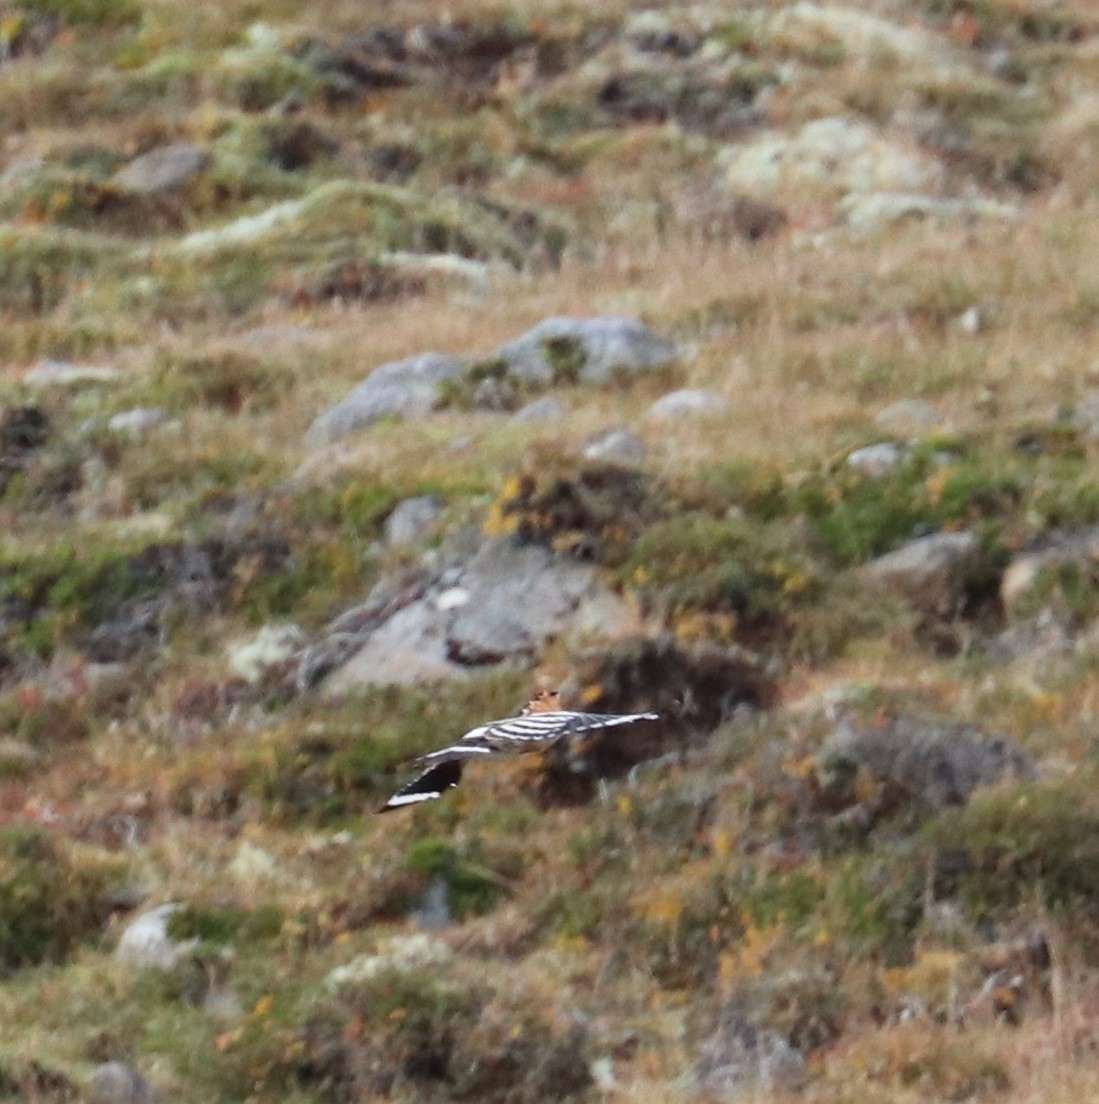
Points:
x=221 y=925
x=472 y=887
x=1026 y=842
x=49 y=901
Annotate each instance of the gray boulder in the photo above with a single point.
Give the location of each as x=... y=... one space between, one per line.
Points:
x=162 y=170
x=412 y=520
x=410 y=648
x=402 y=388
x=503 y=605
x=935 y=762
x=556 y=351
x=519 y=596
x=116 y=1083
x=930 y=572
x=585 y=350
x=1085 y=415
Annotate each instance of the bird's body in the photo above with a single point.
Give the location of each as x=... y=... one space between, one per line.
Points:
x=541 y=724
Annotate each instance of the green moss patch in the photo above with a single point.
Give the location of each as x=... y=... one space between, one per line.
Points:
x=49 y=901
x=1036 y=842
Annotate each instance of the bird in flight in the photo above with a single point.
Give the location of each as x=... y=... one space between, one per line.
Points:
x=540 y=725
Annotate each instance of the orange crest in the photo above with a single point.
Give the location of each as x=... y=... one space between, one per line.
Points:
x=545 y=701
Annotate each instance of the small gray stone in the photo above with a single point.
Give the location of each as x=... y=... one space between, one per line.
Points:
x=116 y=1083
x=971 y=321
x=875 y=461
x=615 y=446
x=146 y=941
x=138 y=422
x=433 y=912
x=270 y=648
x=60 y=373
x=412 y=520
x=548 y=408
x=402 y=388
x=162 y=170
x=686 y=401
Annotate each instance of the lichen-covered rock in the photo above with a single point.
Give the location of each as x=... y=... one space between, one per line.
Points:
x=163 y=170
x=519 y=597
x=558 y=351
x=931 y=761
x=503 y=605
x=60 y=373
x=403 y=389
x=270 y=648
x=137 y=423
x=400 y=954
x=930 y=572
x=585 y=350
x=408 y=648
x=833 y=154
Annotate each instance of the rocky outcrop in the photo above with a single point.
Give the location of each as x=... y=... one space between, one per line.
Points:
x=405 y=389
x=558 y=351
x=933 y=762
x=503 y=605
x=930 y=572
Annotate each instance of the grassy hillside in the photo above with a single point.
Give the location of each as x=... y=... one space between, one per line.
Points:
x=856 y=859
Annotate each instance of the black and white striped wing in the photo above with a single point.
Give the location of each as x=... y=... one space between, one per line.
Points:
x=432 y=784
x=538 y=730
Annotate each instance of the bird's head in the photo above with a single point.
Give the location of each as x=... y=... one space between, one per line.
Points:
x=545 y=701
